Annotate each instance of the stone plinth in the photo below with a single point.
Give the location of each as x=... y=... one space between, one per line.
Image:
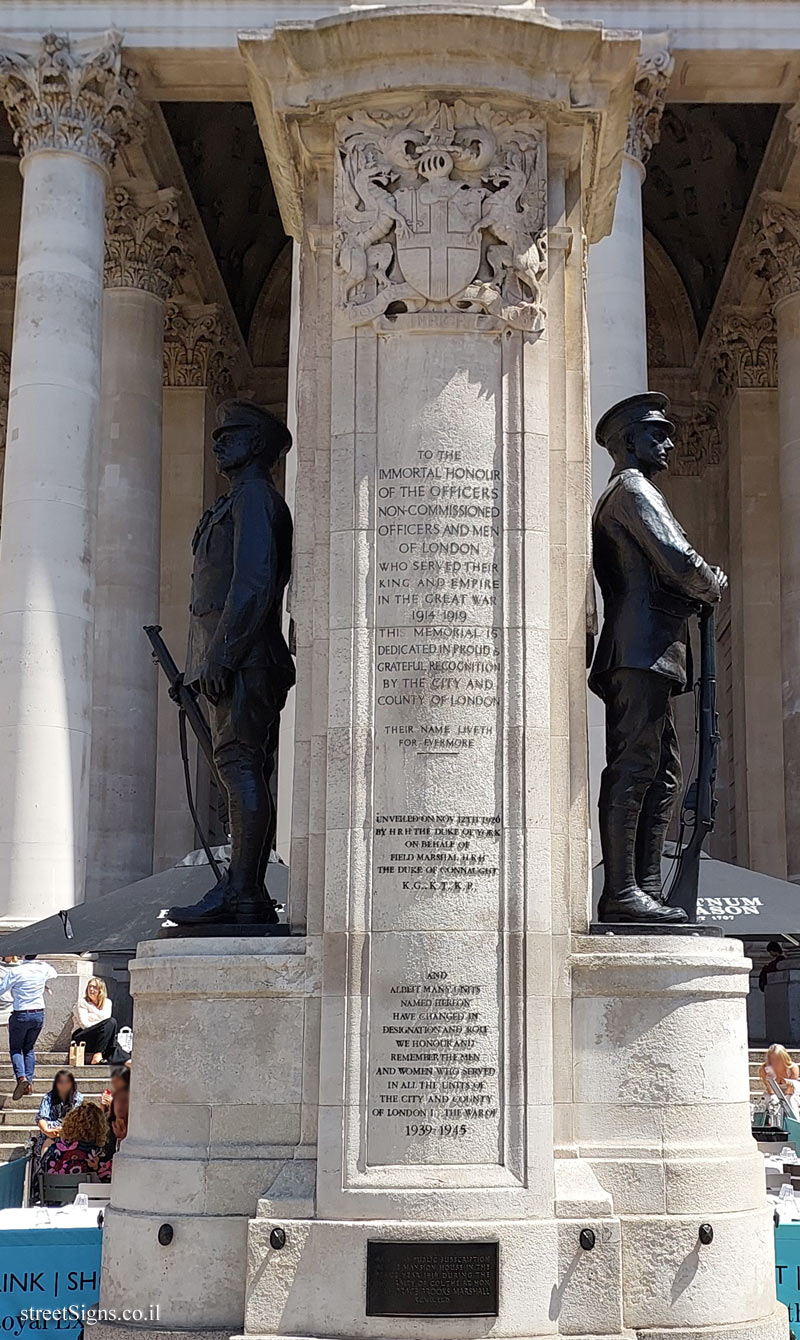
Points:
x=662 y=1114
x=219 y=1103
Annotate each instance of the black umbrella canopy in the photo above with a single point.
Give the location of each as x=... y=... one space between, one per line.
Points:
x=116 y=922
x=739 y=901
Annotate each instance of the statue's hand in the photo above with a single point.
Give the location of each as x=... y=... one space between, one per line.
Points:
x=212 y=680
x=722 y=579
x=174 y=689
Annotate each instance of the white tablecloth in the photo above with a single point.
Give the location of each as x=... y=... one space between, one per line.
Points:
x=57 y=1216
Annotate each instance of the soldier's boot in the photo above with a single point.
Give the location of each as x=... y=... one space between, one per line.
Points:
x=651 y=835
x=251 y=813
x=622 y=898
x=215 y=906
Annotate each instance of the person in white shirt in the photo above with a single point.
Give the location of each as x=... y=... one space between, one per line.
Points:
x=27 y=983
x=94 y=1023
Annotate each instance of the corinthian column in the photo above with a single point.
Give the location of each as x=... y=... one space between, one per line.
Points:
x=144 y=254
x=616 y=308
x=196 y=374
x=777 y=261
x=70 y=105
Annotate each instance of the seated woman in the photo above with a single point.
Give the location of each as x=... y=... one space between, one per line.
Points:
x=62 y=1098
x=779 y=1066
x=94 y=1023
x=80 y=1146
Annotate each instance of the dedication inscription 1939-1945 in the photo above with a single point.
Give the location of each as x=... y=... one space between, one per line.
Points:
x=434 y=1041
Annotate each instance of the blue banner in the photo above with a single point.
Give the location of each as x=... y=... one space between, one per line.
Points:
x=48 y=1277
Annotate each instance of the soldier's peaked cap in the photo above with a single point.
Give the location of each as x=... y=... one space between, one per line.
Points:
x=647 y=407
x=247 y=414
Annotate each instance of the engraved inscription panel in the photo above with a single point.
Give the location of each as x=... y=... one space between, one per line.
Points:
x=432 y=1279
x=434 y=1073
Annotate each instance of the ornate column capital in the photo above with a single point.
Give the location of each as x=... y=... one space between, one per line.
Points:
x=75 y=96
x=145 y=241
x=698 y=443
x=745 y=350
x=776 y=258
x=653 y=74
x=196 y=347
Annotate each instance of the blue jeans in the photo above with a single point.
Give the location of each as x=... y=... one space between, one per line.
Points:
x=24 y=1027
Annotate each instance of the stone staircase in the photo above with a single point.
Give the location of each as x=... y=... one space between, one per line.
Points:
x=18 y=1120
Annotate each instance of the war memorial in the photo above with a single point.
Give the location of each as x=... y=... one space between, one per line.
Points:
x=354 y=349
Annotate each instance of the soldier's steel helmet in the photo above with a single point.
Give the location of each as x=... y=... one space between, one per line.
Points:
x=247 y=414
x=647 y=407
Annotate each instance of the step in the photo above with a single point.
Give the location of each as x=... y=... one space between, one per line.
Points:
x=9 y=1152
x=49 y=1071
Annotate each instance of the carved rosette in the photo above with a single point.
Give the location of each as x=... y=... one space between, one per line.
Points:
x=746 y=350
x=441 y=208
x=196 y=348
x=71 y=95
x=697 y=441
x=653 y=74
x=145 y=242
x=776 y=257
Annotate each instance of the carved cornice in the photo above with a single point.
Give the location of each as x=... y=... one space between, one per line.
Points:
x=745 y=350
x=653 y=74
x=197 y=350
x=145 y=242
x=75 y=96
x=5 y=376
x=697 y=441
x=776 y=257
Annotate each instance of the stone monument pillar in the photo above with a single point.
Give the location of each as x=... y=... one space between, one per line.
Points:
x=412 y=1154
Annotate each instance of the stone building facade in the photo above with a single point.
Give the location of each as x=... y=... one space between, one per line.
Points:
x=146 y=273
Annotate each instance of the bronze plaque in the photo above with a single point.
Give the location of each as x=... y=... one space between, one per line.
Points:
x=432 y=1279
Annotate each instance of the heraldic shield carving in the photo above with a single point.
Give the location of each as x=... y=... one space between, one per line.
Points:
x=442 y=207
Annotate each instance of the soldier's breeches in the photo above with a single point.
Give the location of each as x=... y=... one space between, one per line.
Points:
x=642 y=755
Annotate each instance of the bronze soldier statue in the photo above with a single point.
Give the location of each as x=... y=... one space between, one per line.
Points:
x=652 y=580
x=238 y=657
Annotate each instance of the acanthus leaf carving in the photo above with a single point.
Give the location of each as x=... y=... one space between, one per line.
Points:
x=74 y=96
x=653 y=74
x=441 y=207
x=145 y=243
x=196 y=347
x=698 y=443
x=776 y=255
x=745 y=350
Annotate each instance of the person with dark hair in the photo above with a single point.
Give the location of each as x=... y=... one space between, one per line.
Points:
x=776 y=958
x=238 y=658
x=61 y=1099
x=27 y=983
x=118 y=1109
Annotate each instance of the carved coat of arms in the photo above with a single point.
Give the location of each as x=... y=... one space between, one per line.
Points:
x=442 y=207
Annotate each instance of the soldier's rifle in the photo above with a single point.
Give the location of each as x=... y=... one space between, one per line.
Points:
x=189 y=709
x=700 y=803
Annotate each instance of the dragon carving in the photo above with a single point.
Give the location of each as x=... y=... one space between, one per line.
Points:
x=441 y=207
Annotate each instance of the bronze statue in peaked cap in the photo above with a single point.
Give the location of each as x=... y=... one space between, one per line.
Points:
x=652 y=581
x=238 y=658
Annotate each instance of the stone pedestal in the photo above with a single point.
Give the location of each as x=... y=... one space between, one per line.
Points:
x=662 y=1114
x=221 y=1098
